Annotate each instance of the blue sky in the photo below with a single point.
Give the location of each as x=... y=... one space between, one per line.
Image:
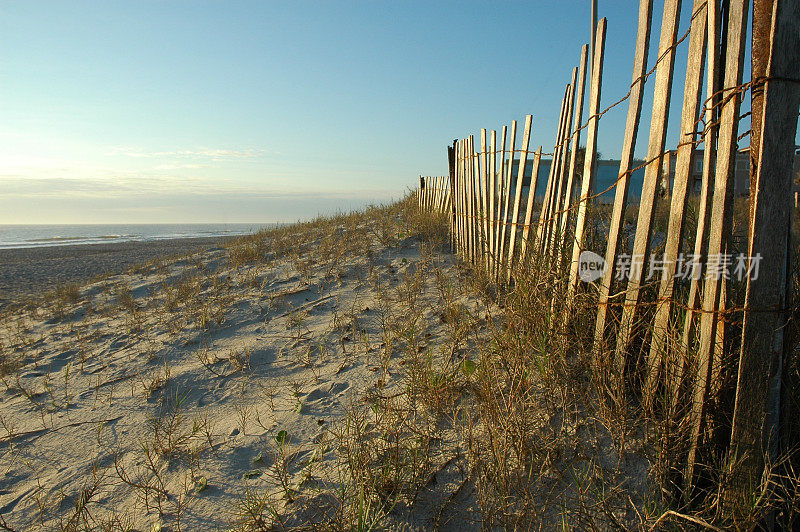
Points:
x=194 y=111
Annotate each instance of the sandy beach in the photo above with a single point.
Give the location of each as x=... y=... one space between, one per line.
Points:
x=226 y=389
x=27 y=271
x=334 y=375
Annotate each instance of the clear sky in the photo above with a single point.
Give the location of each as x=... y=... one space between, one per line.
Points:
x=231 y=111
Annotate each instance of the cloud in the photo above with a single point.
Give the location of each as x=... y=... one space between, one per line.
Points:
x=188 y=166
x=64 y=187
x=206 y=154
x=133 y=185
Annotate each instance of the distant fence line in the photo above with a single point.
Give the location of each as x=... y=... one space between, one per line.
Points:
x=689 y=333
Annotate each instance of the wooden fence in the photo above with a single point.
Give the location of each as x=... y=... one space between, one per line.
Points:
x=675 y=343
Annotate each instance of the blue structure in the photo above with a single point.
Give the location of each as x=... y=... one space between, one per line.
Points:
x=607 y=174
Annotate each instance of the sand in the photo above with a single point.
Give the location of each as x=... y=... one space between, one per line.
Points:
x=198 y=394
x=29 y=271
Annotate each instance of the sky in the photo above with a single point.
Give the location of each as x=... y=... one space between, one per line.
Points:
x=259 y=111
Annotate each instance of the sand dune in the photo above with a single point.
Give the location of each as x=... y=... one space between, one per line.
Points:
x=344 y=374
x=187 y=392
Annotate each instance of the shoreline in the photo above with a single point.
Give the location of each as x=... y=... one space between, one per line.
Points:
x=33 y=271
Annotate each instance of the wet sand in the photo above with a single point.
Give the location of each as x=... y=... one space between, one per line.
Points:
x=35 y=270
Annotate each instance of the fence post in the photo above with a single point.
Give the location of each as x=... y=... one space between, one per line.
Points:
x=625 y=165
x=713 y=82
x=509 y=170
x=526 y=136
x=684 y=167
x=483 y=193
x=555 y=210
x=457 y=200
x=576 y=142
x=542 y=227
x=526 y=227
x=471 y=200
x=720 y=223
x=501 y=196
x=588 y=163
x=451 y=178
x=755 y=418
x=492 y=199
x=644 y=222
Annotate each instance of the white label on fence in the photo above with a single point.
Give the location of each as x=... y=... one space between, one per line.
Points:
x=591 y=266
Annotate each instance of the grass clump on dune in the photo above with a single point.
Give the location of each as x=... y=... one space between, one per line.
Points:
x=343 y=373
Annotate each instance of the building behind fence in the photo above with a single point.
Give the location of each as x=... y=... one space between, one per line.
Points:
x=695 y=340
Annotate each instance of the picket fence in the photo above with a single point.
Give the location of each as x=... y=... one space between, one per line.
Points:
x=691 y=349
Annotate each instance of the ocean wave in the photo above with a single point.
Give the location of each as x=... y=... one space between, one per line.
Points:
x=12 y=237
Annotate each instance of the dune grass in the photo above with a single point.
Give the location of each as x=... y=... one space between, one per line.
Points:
x=346 y=373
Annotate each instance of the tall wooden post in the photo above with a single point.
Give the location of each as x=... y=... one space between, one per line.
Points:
x=644 y=222
x=625 y=166
x=755 y=419
x=506 y=207
x=573 y=159
x=713 y=294
x=526 y=136
x=684 y=168
x=588 y=163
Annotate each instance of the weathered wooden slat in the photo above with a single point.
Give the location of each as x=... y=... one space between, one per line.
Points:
x=523 y=158
x=501 y=202
x=454 y=187
x=756 y=411
x=475 y=214
x=526 y=227
x=462 y=233
x=428 y=193
x=476 y=206
x=452 y=213
x=684 y=168
x=554 y=216
x=576 y=142
x=544 y=214
x=471 y=210
x=492 y=200
x=588 y=163
x=465 y=201
x=507 y=196
x=483 y=207
x=625 y=166
x=720 y=223
x=457 y=199
x=652 y=173
x=445 y=208
x=713 y=82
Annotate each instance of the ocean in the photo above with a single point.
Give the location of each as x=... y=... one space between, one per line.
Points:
x=31 y=236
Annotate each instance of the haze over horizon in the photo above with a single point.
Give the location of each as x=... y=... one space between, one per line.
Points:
x=256 y=112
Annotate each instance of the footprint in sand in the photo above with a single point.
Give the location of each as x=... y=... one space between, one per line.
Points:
x=58 y=362
x=324 y=395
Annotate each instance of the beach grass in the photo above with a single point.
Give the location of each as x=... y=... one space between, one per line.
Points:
x=347 y=373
